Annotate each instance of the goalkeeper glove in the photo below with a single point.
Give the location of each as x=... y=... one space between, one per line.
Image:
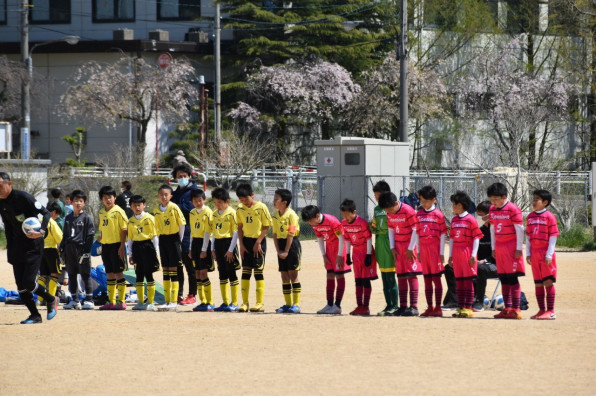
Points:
x=368 y=260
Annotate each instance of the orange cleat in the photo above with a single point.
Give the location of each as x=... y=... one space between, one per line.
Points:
x=514 y=314
x=429 y=312
x=503 y=314
x=540 y=313
x=548 y=315
x=438 y=312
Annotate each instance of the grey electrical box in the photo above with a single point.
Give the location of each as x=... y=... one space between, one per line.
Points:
x=349 y=167
x=123 y=34
x=159 y=35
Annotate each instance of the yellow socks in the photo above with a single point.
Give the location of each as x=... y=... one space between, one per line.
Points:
x=296 y=290
x=287 y=289
x=174 y=285
x=224 y=286
x=121 y=289
x=42 y=281
x=112 y=291
x=207 y=292
x=234 y=286
x=151 y=292
x=53 y=285
x=245 y=284
x=200 y=291
x=166 y=286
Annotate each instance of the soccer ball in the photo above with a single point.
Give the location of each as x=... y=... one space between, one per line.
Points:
x=498 y=303
x=486 y=303
x=31 y=224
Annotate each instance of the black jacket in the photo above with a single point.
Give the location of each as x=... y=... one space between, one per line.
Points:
x=79 y=231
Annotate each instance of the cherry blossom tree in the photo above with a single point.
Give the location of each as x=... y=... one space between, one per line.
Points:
x=127 y=90
x=12 y=75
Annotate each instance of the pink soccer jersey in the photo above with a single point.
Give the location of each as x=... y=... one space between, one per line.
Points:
x=358 y=233
x=431 y=225
x=464 y=230
x=503 y=221
x=402 y=223
x=539 y=228
x=330 y=230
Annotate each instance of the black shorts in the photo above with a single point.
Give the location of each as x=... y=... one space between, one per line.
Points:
x=201 y=263
x=111 y=261
x=221 y=247
x=170 y=250
x=249 y=260
x=50 y=262
x=145 y=256
x=292 y=262
x=509 y=279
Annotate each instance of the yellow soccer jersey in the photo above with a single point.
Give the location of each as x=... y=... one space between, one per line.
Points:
x=224 y=224
x=111 y=224
x=141 y=229
x=168 y=222
x=253 y=219
x=53 y=236
x=286 y=225
x=200 y=223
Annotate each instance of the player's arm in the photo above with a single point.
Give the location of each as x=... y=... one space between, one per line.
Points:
x=57 y=234
x=38 y=208
x=230 y=252
x=475 y=246
x=123 y=235
x=348 y=252
x=339 y=260
x=492 y=239
x=373 y=225
x=412 y=245
x=442 y=247
x=552 y=242
x=369 y=249
x=257 y=249
x=391 y=234
x=519 y=233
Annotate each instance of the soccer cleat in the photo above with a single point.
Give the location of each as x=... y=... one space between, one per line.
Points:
x=210 y=308
x=172 y=307
x=200 y=308
x=232 y=308
x=189 y=300
x=139 y=307
x=162 y=307
x=538 y=314
x=120 y=306
x=457 y=312
x=411 y=311
x=283 y=309
x=514 y=314
x=151 y=307
x=548 y=315
x=437 y=313
x=466 y=313
x=477 y=307
x=294 y=309
x=391 y=311
x=72 y=305
x=449 y=306
x=503 y=314
x=335 y=310
x=356 y=310
x=107 y=307
x=258 y=308
x=400 y=311
x=222 y=308
x=32 y=320
x=325 y=310
x=243 y=308
x=88 y=305
x=429 y=312
x=384 y=312
x=52 y=308
x=180 y=300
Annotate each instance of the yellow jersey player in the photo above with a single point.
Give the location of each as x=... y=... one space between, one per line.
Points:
x=143 y=245
x=253 y=222
x=170 y=224
x=113 y=229
x=225 y=237
x=201 y=227
x=50 y=261
x=286 y=228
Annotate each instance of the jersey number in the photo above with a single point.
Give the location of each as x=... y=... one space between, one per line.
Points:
x=425 y=228
x=249 y=219
x=457 y=233
x=499 y=227
x=105 y=222
x=167 y=222
x=140 y=230
x=218 y=226
x=197 y=225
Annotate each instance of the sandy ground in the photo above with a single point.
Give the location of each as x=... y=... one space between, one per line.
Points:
x=130 y=352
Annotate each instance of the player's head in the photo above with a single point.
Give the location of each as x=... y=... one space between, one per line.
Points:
x=182 y=171
x=381 y=187
x=55 y=193
x=197 y=197
x=79 y=199
x=541 y=199
x=348 y=210
x=245 y=194
x=310 y=214
x=67 y=199
x=427 y=196
x=5 y=185
x=482 y=211
x=389 y=202
x=497 y=194
x=126 y=186
x=55 y=209
x=221 y=198
x=137 y=204
x=461 y=202
x=107 y=195
x=282 y=199
x=164 y=194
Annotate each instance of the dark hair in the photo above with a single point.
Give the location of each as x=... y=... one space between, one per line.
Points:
x=462 y=198
x=381 y=186
x=244 y=190
x=55 y=193
x=165 y=187
x=127 y=185
x=137 y=199
x=285 y=195
x=78 y=194
x=220 y=193
x=483 y=207
x=348 y=206
x=310 y=212
x=106 y=190
x=544 y=195
x=182 y=167
x=4 y=176
x=496 y=190
x=427 y=192
x=387 y=200
x=197 y=194
x=54 y=207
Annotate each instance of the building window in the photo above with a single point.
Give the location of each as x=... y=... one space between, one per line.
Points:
x=50 y=11
x=113 y=10
x=178 y=9
x=2 y=12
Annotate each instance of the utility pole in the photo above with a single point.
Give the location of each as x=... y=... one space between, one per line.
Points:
x=26 y=84
x=217 y=27
x=402 y=53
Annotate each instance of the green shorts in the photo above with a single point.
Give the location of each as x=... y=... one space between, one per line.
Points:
x=383 y=254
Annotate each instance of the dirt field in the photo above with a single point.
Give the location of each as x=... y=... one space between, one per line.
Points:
x=130 y=352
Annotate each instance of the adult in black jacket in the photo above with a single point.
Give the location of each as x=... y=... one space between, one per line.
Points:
x=123 y=200
x=25 y=250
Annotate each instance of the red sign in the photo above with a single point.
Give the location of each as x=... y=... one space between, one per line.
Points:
x=164 y=60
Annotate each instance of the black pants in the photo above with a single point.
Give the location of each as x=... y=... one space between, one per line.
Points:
x=451 y=293
x=74 y=268
x=25 y=272
x=485 y=271
x=192 y=276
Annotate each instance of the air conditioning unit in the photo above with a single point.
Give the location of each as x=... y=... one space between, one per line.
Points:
x=124 y=34
x=159 y=35
x=198 y=37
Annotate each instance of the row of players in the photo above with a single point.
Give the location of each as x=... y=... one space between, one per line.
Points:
x=407 y=242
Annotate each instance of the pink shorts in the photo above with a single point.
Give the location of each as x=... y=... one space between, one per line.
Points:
x=331 y=249
x=361 y=271
x=540 y=270
x=403 y=265
x=461 y=262
x=430 y=258
x=506 y=261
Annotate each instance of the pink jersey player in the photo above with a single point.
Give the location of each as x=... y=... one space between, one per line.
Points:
x=431 y=240
x=464 y=231
x=506 y=239
x=330 y=229
x=540 y=228
x=402 y=226
x=359 y=238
